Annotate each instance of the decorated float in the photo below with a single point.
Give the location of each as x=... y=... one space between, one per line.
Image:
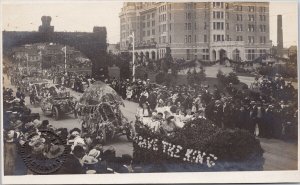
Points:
x=198 y=146
x=99 y=110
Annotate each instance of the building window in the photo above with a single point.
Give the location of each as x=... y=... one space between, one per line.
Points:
x=148 y=24
x=164 y=27
x=195 y=38
x=185 y=39
x=227 y=38
x=195 y=26
x=239 y=17
x=250 y=39
x=170 y=26
x=153 y=23
x=227 y=14
x=188 y=16
x=205 y=38
x=148 y=16
x=153 y=31
x=251 y=8
x=189 y=39
x=263 y=40
x=170 y=39
x=251 y=17
x=239 y=38
x=251 y=27
x=170 y=17
x=239 y=8
x=239 y=27
x=227 y=26
x=205 y=25
x=164 y=39
x=262 y=28
x=250 y=54
x=153 y=15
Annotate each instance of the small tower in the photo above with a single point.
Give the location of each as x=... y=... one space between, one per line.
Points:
x=46 y=24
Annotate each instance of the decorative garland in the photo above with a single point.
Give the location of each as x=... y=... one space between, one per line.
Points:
x=198 y=146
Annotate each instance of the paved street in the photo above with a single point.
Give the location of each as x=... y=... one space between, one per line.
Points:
x=279 y=155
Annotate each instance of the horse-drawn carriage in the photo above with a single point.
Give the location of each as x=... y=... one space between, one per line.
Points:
x=100 y=113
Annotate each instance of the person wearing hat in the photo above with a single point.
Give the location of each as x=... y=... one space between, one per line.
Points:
x=168 y=125
x=38 y=147
x=73 y=163
x=126 y=166
x=144 y=111
x=37 y=123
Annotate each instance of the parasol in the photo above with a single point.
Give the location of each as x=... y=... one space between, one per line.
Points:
x=100 y=92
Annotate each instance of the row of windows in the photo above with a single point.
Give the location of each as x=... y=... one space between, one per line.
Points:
x=220 y=5
x=218 y=37
x=148 y=24
x=190 y=5
x=250 y=8
x=163 y=8
x=239 y=17
x=250 y=53
x=218 y=25
x=162 y=17
x=148 y=16
x=149 y=32
x=218 y=15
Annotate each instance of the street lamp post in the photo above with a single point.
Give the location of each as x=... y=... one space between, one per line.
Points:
x=133 y=63
x=27 y=64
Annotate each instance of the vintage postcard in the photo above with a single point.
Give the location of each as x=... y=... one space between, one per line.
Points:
x=149 y=92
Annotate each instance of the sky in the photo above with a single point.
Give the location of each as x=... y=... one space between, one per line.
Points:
x=83 y=16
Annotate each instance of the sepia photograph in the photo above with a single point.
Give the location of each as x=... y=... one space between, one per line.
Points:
x=116 y=87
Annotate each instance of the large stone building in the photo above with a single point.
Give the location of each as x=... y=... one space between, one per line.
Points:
x=208 y=31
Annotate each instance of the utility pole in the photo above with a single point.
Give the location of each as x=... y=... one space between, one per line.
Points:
x=27 y=64
x=133 y=63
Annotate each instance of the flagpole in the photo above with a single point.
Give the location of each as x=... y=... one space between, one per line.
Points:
x=133 y=64
x=65 y=58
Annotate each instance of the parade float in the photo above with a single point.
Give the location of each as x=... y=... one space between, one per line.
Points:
x=99 y=111
x=198 y=146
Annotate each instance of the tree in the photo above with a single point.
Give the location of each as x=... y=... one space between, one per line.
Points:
x=201 y=76
x=167 y=60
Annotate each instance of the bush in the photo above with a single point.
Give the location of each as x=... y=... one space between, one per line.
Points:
x=232 y=78
x=226 y=79
x=160 y=78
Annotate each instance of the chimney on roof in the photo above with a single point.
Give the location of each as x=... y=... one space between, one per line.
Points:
x=279 y=35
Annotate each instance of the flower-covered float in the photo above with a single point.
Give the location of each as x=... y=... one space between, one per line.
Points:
x=102 y=119
x=198 y=146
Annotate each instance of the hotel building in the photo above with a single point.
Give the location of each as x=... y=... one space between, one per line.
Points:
x=208 y=31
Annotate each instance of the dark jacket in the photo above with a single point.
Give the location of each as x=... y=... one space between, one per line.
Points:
x=71 y=166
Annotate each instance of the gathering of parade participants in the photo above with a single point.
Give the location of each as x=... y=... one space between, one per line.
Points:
x=270 y=114
x=267 y=110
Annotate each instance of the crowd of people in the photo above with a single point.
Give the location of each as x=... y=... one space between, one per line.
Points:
x=84 y=155
x=268 y=109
